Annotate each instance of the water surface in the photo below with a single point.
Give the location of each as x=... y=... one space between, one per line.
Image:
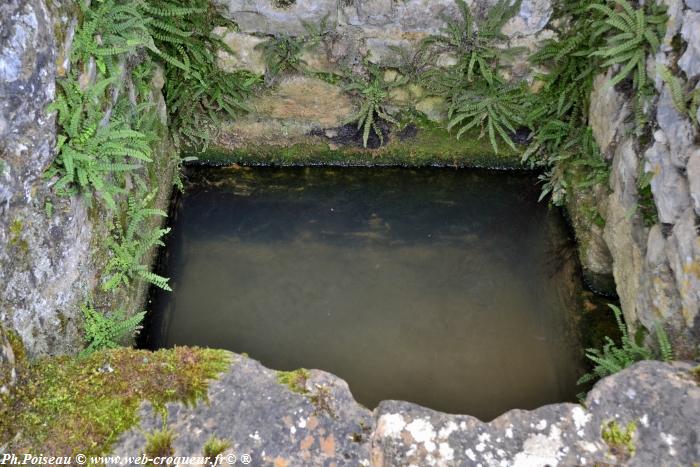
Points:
x=444 y=287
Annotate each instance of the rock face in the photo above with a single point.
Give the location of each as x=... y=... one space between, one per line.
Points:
x=42 y=259
x=655 y=261
x=51 y=247
x=266 y=420
x=373 y=24
x=325 y=426
x=661 y=401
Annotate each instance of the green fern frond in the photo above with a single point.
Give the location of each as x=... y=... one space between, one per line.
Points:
x=108 y=331
x=613 y=358
x=665 y=349
x=495 y=110
x=373 y=92
x=638 y=33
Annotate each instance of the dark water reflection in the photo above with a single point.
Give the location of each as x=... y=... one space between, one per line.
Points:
x=448 y=288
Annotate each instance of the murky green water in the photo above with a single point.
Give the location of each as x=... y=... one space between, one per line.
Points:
x=448 y=288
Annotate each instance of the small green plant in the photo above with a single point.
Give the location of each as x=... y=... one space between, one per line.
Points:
x=695 y=372
x=685 y=101
x=322 y=399
x=294 y=380
x=215 y=446
x=494 y=109
x=90 y=153
x=109 y=30
x=571 y=159
x=619 y=440
x=131 y=246
x=108 y=332
x=632 y=34
x=645 y=198
x=373 y=93
x=561 y=141
x=613 y=357
x=175 y=28
x=159 y=443
x=412 y=64
x=282 y=54
x=197 y=91
x=474 y=42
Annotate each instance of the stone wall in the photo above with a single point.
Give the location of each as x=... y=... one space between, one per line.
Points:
x=359 y=29
x=656 y=267
x=52 y=248
x=305 y=108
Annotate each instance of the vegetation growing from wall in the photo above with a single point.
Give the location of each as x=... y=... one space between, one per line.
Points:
x=108 y=126
x=685 y=99
x=197 y=92
x=558 y=114
x=615 y=357
x=373 y=94
x=129 y=248
x=593 y=37
x=109 y=332
x=473 y=87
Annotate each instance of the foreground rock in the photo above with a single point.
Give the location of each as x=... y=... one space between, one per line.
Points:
x=266 y=420
x=653 y=407
x=661 y=401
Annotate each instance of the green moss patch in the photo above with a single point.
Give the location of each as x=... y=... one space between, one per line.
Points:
x=619 y=440
x=430 y=146
x=70 y=405
x=294 y=380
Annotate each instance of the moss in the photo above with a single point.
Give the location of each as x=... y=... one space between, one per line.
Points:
x=430 y=146
x=159 y=443
x=620 y=442
x=696 y=374
x=215 y=446
x=321 y=399
x=6 y=377
x=16 y=229
x=71 y=405
x=294 y=380
x=18 y=350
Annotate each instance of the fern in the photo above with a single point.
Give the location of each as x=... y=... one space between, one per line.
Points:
x=109 y=29
x=685 y=101
x=373 y=93
x=494 y=109
x=132 y=244
x=90 y=153
x=196 y=91
x=412 y=64
x=613 y=358
x=281 y=54
x=178 y=31
x=108 y=332
x=631 y=35
x=197 y=102
x=561 y=140
x=474 y=42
